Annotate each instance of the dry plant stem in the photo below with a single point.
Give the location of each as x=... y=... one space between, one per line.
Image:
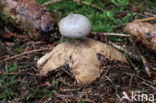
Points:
x=69 y=90
x=83 y=2
x=29 y=52
x=146 y=66
x=117 y=26
x=63 y=97
x=145 y=82
x=149 y=14
x=50 y=2
x=144 y=61
x=115 y=34
x=146 y=19
x=149 y=85
x=154 y=68
x=92 y=5
x=88 y=100
x=149 y=82
x=132 y=64
x=125 y=51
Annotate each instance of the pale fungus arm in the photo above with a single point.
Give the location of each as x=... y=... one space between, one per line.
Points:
x=55 y=59
x=106 y=50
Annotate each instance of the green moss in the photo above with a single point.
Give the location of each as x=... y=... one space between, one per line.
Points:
x=101 y=21
x=8 y=83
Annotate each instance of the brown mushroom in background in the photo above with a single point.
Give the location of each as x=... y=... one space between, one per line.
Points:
x=144 y=32
x=28 y=14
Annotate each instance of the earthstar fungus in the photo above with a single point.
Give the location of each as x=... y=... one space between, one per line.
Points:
x=81 y=54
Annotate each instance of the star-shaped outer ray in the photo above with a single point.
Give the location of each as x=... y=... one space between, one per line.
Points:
x=81 y=54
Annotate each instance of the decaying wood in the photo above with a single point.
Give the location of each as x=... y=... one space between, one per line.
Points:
x=29 y=15
x=144 y=32
x=81 y=55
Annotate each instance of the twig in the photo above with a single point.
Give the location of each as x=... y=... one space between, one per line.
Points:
x=92 y=5
x=144 y=61
x=50 y=2
x=146 y=66
x=69 y=90
x=109 y=79
x=146 y=19
x=154 y=68
x=64 y=82
x=64 y=96
x=117 y=26
x=145 y=82
x=132 y=64
x=149 y=85
x=149 y=82
x=115 y=34
x=83 y=2
x=88 y=100
x=33 y=74
x=29 y=52
x=149 y=14
x=125 y=51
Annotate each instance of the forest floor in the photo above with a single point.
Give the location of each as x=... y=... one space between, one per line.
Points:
x=19 y=79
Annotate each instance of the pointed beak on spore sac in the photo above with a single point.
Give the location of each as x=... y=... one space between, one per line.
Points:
x=47 y=28
x=47 y=24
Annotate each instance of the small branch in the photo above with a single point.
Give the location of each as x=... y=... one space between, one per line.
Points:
x=83 y=2
x=115 y=34
x=132 y=64
x=144 y=61
x=29 y=52
x=145 y=82
x=149 y=82
x=146 y=66
x=149 y=14
x=149 y=85
x=50 y=2
x=68 y=90
x=117 y=26
x=146 y=19
x=92 y=5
